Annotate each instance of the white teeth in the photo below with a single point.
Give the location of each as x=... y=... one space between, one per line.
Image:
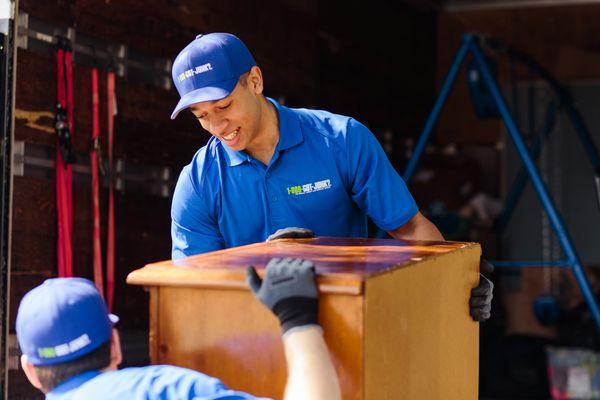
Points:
x=232 y=135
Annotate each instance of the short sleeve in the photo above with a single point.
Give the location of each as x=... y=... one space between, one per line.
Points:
x=194 y=227
x=374 y=184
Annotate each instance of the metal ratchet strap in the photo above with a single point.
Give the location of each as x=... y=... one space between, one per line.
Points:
x=64 y=159
x=110 y=243
x=94 y=156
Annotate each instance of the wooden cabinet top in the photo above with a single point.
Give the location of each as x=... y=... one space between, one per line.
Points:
x=342 y=264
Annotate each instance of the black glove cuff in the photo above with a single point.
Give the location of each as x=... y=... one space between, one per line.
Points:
x=296 y=311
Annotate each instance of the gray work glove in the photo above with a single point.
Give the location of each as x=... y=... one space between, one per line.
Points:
x=291 y=233
x=480 y=303
x=289 y=290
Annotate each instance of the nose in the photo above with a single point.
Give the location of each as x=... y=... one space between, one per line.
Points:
x=218 y=126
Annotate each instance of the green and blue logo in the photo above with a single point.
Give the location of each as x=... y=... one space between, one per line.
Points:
x=306 y=188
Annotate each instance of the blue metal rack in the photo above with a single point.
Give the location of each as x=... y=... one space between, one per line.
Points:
x=471 y=44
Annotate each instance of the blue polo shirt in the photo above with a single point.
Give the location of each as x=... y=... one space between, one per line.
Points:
x=155 y=382
x=327 y=174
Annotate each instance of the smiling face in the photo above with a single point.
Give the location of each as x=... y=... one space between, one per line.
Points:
x=236 y=119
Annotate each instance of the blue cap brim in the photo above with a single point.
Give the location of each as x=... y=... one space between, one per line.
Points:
x=216 y=91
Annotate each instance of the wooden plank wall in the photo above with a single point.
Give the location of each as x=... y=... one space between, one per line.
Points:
x=340 y=56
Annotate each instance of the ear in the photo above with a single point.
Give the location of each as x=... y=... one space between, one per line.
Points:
x=30 y=372
x=255 y=80
x=116 y=357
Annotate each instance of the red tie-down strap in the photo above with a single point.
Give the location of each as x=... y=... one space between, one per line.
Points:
x=111 y=108
x=65 y=156
x=95 y=160
x=94 y=156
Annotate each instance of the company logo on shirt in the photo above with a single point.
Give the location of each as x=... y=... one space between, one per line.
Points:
x=194 y=71
x=309 y=187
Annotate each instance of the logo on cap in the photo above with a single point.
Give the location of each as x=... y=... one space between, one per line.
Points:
x=194 y=71
x=65 y=348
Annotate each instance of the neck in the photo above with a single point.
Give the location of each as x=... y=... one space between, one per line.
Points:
x=263 y=146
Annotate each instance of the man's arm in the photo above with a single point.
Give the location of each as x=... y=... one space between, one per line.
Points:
x=310 y=372
x=194 y=226
x=289 y=290
x=417 y=228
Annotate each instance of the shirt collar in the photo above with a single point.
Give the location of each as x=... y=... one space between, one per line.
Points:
x=70 y=384
x=290 y=134
x=235 y=157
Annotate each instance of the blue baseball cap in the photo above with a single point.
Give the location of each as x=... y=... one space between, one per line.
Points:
x=61 y=320
x=208 y=68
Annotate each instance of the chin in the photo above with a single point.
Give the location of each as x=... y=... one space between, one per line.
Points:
x=235 y=147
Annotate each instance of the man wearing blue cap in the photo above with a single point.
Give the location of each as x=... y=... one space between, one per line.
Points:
x=269 y=167
x=71 y=349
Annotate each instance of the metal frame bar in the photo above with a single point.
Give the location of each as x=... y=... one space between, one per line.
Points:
x=563 y=263
x=37 y=160
x=474 y=5
x=437 y=107
x=7 y=86
x=87 y=50
x=471 y=44
x=521 y=179
x=566 y=101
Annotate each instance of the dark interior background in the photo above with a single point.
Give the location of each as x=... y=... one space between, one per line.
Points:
x=380 y=61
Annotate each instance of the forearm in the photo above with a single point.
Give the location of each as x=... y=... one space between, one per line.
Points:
x=311 y=375
x=418 y=228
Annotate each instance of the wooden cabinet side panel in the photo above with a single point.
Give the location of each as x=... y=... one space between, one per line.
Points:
x=420 y=342
x=230 y=335
x=342 y=319
x=153 y=332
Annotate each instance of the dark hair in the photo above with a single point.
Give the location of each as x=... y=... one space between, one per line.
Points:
x=51 y=376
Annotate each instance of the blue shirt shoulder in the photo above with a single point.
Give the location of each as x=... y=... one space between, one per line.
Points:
x=155 y=382
x=330 y=125
x=372 y=182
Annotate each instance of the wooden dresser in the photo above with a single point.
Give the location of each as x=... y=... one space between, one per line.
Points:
x=395 y=316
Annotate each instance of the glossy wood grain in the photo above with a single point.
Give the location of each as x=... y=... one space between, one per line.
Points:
x=342 y=263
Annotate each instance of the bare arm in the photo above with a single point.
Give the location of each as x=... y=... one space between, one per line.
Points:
x=311 y=375
x=289 y=290
x=417 y=228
